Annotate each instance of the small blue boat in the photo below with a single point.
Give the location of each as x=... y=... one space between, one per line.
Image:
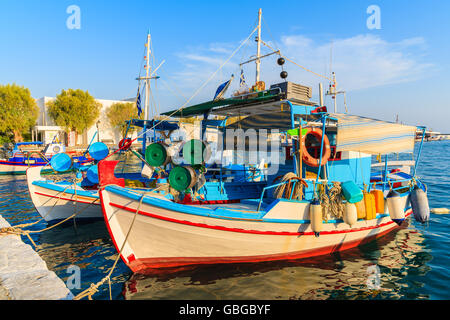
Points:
x=29 y=154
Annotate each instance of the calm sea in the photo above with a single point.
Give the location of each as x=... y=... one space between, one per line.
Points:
x=409 y=264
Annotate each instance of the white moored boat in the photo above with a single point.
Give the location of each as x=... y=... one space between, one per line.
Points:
x=167 y=234
x=56 y=201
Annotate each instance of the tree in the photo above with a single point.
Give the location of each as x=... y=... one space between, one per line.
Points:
x=74 y=110
x=18 y=111
x=118 y=113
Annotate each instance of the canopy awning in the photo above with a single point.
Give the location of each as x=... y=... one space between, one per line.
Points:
x=278 y=120
x=372 y=136
x=203 y=108
x=156 y=124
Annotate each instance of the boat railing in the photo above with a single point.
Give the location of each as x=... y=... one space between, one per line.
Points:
x=275 y=186
x=409 y=163
x=393 y=182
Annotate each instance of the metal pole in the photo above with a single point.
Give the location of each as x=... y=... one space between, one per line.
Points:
x=294 y=147
x=300 y=149
x=147 y=81
x=335 y=95
x=258 y=52
x=324 y=120
x=420 y=151
x=385 y=172
x=321 y=94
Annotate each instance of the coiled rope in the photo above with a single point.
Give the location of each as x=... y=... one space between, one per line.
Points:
x=332 y=203
x=285 y=189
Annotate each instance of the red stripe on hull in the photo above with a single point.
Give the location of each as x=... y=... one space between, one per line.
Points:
x=144 y=265
x=96 y=201
x=277 y=233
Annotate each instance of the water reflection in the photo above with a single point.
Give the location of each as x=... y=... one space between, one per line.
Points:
x=399 y=256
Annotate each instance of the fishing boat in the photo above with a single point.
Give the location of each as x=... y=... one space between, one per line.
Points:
x=31 y=154
x=59 y=200
x=321 y=197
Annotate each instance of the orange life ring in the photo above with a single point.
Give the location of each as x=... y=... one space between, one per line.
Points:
x=310 y=160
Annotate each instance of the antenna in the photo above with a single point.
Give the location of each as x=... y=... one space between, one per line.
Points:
x=333 y=92
x=331 y=57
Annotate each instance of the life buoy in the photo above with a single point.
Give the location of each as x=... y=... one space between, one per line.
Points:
x=310 y=160
x=56 y=149
x=125 y=144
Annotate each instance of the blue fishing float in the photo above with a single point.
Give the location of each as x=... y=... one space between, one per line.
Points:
x=61 y=162
x=92 y=174
x=98 y=151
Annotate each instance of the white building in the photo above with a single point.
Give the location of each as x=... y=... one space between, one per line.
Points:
x=45 y=129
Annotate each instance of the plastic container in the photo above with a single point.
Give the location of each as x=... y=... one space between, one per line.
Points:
x=360 y=209
x=379 y=200
x=352 y=193
x=369 y=204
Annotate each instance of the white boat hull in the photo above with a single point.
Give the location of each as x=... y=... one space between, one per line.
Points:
x=162 y=237
x=55 y=202
x=16 y=169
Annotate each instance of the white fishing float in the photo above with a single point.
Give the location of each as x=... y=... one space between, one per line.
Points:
x=315 y=211
x=350 y=214
x=395 y=207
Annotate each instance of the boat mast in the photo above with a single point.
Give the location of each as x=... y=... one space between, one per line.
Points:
x=147 y=79
x=258 y=50
x=149 y=75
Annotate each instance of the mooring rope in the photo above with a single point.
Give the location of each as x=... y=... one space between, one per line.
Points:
x=93 y=289
x=18 y=229
x=73 y=184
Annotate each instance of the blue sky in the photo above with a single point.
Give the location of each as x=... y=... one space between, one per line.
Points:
x=400 y=69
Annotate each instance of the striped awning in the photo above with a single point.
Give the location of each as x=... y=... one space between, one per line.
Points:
x=372 y=136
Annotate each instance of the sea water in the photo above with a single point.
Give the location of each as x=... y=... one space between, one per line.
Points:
x=408 y=264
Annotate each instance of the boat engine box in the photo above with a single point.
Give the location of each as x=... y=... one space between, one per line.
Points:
x=294 y=91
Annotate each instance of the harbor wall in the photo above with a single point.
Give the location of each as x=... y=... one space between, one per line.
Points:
x=23 y=273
